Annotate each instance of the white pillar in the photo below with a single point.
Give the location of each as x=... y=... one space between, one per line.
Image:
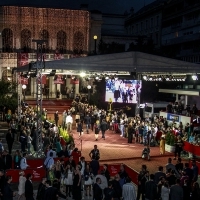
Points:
x=186 y=101
x=76 y=89
x=52 y=89
x=176 y=97
x=68 y=82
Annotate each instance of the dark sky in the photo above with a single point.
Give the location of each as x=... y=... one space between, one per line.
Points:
x=106 y=6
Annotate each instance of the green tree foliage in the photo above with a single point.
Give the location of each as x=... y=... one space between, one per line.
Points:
x=8 y=95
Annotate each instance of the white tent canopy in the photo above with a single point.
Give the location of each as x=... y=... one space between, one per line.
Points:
x=128 y=61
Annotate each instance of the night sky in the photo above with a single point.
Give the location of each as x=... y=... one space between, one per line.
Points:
x=106 y=6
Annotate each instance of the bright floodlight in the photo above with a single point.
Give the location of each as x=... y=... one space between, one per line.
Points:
x=194 y=77
x=145 y=78
x=82 y=74
x=89 y=87
x=24 y=87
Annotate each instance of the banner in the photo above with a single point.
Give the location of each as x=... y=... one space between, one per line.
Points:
x=44 y=80
x=22 y=80
x=74 y=81
x=22 y=59
x=58 y=79
x=173 y=117
x=58 y=56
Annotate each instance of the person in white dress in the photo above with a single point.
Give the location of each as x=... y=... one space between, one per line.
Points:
x=165 y=191
x=68 y=180
x=21 y=186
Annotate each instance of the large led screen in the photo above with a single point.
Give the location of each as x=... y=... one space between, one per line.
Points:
x=123 y=91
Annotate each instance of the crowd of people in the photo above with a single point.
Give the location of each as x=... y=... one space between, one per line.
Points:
x=66 y=178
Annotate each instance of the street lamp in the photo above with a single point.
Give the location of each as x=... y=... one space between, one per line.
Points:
x=89 y=88
x=95 y=44
x=24 y=90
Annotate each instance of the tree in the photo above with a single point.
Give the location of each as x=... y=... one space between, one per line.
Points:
x=8 y=95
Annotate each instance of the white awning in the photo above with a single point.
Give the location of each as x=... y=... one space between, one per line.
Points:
x=128 y=61
x=182 y=92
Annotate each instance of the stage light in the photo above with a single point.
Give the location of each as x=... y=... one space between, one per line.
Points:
x=97 y=78
x=194 y=77
x=106 y=77
x=150 y=78
x=145 y=78
x=82 y=74
x=89 y=87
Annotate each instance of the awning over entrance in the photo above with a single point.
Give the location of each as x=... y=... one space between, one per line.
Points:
x=128 y=61
x=181 y=92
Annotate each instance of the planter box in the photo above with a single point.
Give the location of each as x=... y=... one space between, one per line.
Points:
x=169 y=148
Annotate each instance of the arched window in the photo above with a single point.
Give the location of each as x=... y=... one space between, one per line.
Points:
x=44 y=35
x=26 y=40
x=61 y=42
x=78 y=42
x=7 y=40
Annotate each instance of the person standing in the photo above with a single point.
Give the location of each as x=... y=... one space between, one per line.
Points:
x=97 y=191
x=176 y=191
x=50 y=192
x=41 y=190
x=9 y=140
x=29 y=188
x=103 y=127
x=87 y=122
x=56 y=118
x=13 y=127
x=79 y=128
x=8 y=194
x=162 y=146
x=21 y=186
x=69 y=122
x=96 y=129
x=77 y=184
x=23 y=141
x=64 y=116
x=93 y=120
x=7 y=158
x=151 y=189
x=130 y=133
x=128 y=190
x=23 y=163
x=95 y=153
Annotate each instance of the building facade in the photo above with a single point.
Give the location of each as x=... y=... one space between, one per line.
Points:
x=181 y=29
x=147 y=22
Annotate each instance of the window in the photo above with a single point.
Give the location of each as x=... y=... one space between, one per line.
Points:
x=7 y=40
x=78 y=42
x=147 y=24
x=61 y=41
x=151 y=22
x=26 y=40
x=157 y=20
x=136 y=28
x=148 y=109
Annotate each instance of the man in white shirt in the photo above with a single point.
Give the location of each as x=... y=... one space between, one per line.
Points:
x=49 y=161
x=51 y=150
x=23 y=163
x=128 y=190
x=69 y=122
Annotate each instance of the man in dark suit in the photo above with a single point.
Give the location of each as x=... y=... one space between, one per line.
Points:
x=94 y=164
x=151 y=188
x=50 y=192
x=29 y=188
x=56 y=118
x=71 y=162
x=7 y=158
x=97 y=191
x=103 y=127
x=8 y=194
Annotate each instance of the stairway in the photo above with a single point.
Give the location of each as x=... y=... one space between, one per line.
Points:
x=53 y=105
